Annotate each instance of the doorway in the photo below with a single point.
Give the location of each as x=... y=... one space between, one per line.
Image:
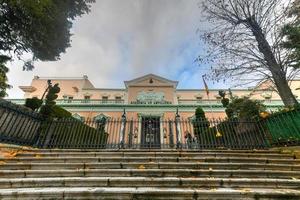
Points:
x=150 y=135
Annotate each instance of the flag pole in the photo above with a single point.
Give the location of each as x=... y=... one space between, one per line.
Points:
x=218 y=134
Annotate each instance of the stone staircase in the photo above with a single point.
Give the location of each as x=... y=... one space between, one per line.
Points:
x=142 y=174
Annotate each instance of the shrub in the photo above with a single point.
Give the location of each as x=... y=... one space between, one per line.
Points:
x=33 y=103
x=244 y=108
x=225 y=101
x=48 y=110
x=200 y=122
x=59 y=112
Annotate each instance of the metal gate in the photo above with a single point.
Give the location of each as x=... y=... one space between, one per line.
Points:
x=150 y=132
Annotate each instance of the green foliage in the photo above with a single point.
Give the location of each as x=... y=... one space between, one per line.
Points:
x=281 y=111
x=3 y=78
x=244 y=108
x=59 y=112
x=200 y=122
x=75 y=134
x=48 y=110
x=33 y=103
x=38 y=27
x=225 y=101
x=199 y=113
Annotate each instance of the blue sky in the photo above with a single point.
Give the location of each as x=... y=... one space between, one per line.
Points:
x=121 y=40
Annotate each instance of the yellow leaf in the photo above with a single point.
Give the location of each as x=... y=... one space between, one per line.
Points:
x=218 y=134
x=210 y=169
x=37 y=155
x=141 y=167
x=2 y=162
x=9 y=154
x=245 y=190
x=294 y=178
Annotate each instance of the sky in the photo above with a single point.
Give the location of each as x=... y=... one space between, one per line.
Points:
x=123 y=39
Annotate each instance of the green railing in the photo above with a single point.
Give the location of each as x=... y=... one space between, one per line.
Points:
x=269 y=103
x=284 y=128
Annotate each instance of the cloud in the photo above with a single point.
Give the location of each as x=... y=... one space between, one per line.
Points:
x=120 y=40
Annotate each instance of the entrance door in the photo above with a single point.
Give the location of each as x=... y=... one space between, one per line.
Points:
x=150 y=132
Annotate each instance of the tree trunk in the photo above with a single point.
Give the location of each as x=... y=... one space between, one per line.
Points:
x=278 y=74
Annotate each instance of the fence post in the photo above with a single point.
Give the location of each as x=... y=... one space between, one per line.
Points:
x=171 y=138
x=48 y=133
x=130 y=136
x=178 y=130
x=122 y=131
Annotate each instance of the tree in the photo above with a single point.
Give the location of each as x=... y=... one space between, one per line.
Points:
x=200 y=122
x=244 y=39
x=41 y=28
x=225 y=101
x=48 y=110
x=3 y=77
x=244 y=108
x=292 y=33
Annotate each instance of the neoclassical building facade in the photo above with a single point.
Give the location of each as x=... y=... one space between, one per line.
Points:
x=149 y=95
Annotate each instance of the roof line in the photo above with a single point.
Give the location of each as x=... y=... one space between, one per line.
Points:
x=60 y=78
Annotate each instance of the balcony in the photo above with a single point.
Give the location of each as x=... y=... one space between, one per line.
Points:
x=198 y=102
x=78 y=101
x=271 y=103
x=191 y=102
x=151 y=102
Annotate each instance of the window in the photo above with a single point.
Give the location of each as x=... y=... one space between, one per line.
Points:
x=68 y=98
x=104 y=99
x=118 y=99
x=86 y=99
x=199 y=99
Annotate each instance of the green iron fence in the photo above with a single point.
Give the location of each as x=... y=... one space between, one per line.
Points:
x=22 y=126
x=284 y=128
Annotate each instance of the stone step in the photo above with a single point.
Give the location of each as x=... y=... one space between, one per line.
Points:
x=150 y=182
x=153 y=193
x=147 y=165
x=142 y=172
x=152 y=150
x=155 y=154
x=39 y=159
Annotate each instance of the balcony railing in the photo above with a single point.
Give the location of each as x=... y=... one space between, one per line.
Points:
x=89 y=101
x=198 y=102
x=274 y=103
x=76 y=101
x=163 y=102
x=218 y=102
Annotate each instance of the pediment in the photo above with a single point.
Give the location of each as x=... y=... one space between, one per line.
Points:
x=151 y=80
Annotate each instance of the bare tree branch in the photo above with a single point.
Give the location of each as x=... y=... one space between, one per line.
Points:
x=244 y=38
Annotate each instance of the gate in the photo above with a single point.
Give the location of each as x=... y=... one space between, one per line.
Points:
x=150 y=132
